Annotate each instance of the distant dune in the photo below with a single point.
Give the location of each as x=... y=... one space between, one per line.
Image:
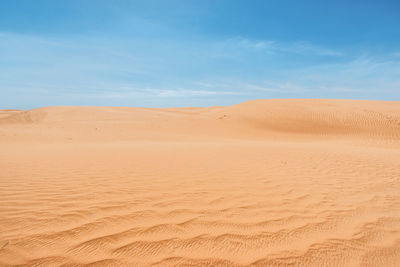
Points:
x=295 y=182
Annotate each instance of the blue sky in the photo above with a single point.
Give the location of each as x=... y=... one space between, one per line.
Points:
x=196 y=53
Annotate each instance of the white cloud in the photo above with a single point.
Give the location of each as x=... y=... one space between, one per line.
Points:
x=186 y=92
x=276 y=47
x=132 y=92
x=257 y=44
x=88 y=70
x=313 y=49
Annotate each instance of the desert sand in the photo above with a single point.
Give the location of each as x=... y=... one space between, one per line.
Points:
x=296 y=182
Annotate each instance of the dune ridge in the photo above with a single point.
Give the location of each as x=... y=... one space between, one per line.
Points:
x=252 y=119
x=294 y=182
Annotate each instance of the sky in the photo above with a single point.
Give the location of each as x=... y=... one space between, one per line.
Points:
x=178 y=53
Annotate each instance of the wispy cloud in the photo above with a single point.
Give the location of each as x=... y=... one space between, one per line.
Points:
x=363 y=77
x=135 y=92
x=308 y=48
x=276 y=47
x=93 y=70
x=186 y=92
x=250 y=44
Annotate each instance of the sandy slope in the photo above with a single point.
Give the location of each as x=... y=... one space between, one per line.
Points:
x=265 y=182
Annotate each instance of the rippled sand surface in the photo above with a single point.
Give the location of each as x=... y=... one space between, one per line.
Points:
x=264 y=183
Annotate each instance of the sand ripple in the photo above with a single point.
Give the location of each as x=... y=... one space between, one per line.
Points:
x=262 y=183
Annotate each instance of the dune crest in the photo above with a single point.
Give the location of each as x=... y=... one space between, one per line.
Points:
x=295 y=182
x=258 y=119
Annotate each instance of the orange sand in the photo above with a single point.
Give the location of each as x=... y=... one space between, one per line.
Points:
x=267 y=183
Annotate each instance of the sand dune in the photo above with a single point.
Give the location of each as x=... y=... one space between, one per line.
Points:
x=294 y=182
